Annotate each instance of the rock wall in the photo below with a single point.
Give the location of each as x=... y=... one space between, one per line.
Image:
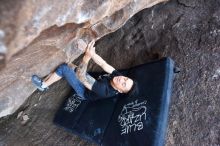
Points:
x=42 y=34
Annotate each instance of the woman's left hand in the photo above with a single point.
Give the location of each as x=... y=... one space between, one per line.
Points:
x=90 y=50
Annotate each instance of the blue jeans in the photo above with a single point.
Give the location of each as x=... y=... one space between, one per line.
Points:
x=70 y=75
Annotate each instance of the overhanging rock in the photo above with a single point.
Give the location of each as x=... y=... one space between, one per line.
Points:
x=47 y=33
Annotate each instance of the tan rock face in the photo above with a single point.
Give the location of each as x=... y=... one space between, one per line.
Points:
x=39 y=35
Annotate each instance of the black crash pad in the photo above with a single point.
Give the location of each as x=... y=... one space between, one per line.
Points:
x=121 y=120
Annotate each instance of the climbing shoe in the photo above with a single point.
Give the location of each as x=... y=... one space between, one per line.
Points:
x=38 y=82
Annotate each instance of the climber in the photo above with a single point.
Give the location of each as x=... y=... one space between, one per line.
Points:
x=85 y=86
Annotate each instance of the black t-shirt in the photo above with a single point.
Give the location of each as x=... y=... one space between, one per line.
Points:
x=102 y=87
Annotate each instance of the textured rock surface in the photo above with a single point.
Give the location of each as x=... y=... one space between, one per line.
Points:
x=189 y=32
x=42 y=34
x=30 y=18
x=3 y=49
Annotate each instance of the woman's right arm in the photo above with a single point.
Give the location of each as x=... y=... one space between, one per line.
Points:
x=99 y=60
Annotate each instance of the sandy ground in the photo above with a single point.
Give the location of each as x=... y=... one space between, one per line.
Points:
x=187 y=31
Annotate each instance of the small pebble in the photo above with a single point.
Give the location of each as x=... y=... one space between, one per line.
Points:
x=171 y=139
x=174 y=123
x=25 y=118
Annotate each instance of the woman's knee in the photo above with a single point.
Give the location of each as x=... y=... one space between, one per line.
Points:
x=61 y=68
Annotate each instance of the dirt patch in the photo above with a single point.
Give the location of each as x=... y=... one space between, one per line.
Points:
x=188 y=32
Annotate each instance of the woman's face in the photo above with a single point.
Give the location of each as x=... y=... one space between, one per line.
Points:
x=122 y=83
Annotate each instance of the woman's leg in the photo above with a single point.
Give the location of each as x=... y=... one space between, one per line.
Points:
x=69 y=74
x=52 y=78
x=43 y=85
x=62 y=71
